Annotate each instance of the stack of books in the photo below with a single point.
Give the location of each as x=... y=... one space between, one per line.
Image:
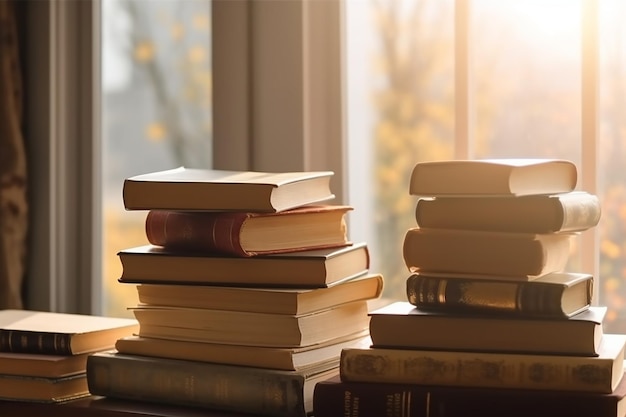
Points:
x=493 y=324
x=249 y=289
x=43 y=355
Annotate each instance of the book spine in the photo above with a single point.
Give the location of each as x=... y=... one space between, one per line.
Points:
x=458 y=294
x=197 y=231
x=189 y=383
x=356 y=399
x=487 y=370
x=19 y=341
x=580 y=211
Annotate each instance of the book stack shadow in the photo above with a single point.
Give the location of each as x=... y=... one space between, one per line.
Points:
x=494 y=322
x=248 y=290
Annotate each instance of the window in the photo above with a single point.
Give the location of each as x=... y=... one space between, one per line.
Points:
x=425 y=80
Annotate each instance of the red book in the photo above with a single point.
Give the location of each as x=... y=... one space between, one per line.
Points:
x=249 y=233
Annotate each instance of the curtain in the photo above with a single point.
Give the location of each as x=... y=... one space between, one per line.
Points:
x=13 y=202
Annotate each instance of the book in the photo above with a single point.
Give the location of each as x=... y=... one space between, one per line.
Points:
x=208 y=189
x=244 y=328
x=288 y=359
x=248 y=233
x=313 y=269
x=402 y=325
x=46 y=390
x=235 y=388
x=599 y=374
x=565 y=212
x=558 y=294
x=27 y=331
x=40 y=365
x=292 y=301
x=523 y=256
x=514 y=176
x=334 y=397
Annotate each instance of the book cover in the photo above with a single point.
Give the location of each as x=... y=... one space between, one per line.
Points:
x=333 y=397
x=565 y=212
x=42 y=365
x=490 y=370
x=312 y=269
x=288 y=359
x=45 y=390
x=291 y=301
x=234 y=388
x=249 y=233
x=558 y=294
x=515 y=176
x=402 y=325
x=27 y=331
x=257 y=329
x=522 y=256
x=207 y=189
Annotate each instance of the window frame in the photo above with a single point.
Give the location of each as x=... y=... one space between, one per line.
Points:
x=278 y=106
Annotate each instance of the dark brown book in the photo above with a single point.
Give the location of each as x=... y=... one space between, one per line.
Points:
x=333 y=397
x=234 y=388
x=247 y=233
x=45 y=390
x=306 y=269
x=559 y=294
x=50 y=333
x=402 y=325
x=208 y=189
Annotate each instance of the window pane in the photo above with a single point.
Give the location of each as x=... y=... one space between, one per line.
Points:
x=156 y=112
x=526 y=89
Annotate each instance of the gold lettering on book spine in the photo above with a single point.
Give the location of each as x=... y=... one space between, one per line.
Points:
x=502 y=296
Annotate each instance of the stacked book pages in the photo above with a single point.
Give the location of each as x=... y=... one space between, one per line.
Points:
x=248 y=290
x=43 y=355
x=494 y=322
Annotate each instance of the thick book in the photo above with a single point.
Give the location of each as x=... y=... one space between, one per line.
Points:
x=515 y=176
x=402 y=325
x=312 y=269
x=207 y=189
x=288 y=359
x=27 y=331
x=256 y=329
x=558 y=294
x=599 y=374
x=41 y=365
x=249 y=233
x=267 y=392
x=292 y=301
x=45 y=390
x=565 y=212
x=522 y=256
x=333 y=397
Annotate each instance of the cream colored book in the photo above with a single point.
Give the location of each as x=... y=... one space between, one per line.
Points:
x=599 y=374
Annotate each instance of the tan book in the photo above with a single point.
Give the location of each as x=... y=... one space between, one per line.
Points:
x=45 y=390
x=314 y=268
x=45 y=332
x=558 y=294
x=553 y=213
x=250 y=233
x=290 y=301
x=522 y=256
x=515 y=176
x=289 y=359
x=599 y=374
x=257 y=329
x=402 y=325
x=42 y=365
x=206 y=189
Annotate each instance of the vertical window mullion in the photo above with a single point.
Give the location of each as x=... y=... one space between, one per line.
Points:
x=590 y=123
x=463 y=80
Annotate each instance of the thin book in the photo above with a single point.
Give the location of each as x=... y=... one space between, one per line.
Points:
x=207 y=189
